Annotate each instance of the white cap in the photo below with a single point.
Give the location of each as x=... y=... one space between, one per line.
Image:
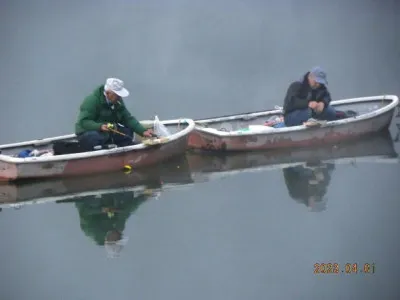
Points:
x=114 y=248
x=117 y=86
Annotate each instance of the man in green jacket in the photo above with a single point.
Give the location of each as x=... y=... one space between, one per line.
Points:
x=102 y=113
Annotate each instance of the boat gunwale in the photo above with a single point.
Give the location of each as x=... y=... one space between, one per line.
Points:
x=90 y=154
x=365 y=116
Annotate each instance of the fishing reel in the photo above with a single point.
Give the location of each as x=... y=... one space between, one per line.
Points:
x=111 y=126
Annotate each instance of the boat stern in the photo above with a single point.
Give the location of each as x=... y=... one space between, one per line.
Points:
x=8 y=171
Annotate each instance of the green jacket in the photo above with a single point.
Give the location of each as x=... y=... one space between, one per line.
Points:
x=95 y=111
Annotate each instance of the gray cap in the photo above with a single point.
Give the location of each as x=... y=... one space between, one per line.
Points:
x=320 y=75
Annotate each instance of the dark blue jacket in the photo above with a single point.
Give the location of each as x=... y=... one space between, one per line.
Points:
x=299 y=94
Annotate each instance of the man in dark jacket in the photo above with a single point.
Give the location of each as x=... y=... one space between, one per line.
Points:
x=103 y=112
x=308 y=98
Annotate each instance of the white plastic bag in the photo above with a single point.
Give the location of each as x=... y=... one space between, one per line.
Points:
x=160 y=129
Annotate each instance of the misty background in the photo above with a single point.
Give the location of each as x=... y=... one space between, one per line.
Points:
x=200 y=59
x=187 y=58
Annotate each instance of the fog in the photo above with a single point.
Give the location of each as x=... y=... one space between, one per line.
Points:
x=187 y=58
x=243 y=238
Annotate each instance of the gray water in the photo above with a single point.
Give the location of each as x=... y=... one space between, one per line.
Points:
x=242 y=237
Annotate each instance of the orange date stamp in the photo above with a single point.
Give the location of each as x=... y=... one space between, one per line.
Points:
x=348 y=268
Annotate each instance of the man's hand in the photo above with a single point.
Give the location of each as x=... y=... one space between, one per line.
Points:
x=148 y=133
x=108 y=126
x=320 y=107
x=313 y=105
x=104 y=127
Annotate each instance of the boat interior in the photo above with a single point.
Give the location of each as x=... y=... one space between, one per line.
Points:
x=69 y=145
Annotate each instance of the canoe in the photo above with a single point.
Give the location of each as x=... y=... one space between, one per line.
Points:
x=105 y=160
x=244 y=132
x=191 y=168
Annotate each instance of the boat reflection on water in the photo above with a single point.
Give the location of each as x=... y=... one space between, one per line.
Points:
x=397 y=138
x=308 y=183
x=307 y=172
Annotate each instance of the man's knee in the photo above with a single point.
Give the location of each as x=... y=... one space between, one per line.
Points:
x=297 y=117
x=328 y=114
x=92 y=135
x=125 y=139
x=126 y=131
x=91 y=139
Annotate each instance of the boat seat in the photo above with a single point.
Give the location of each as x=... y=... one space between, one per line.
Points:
x=67 y=147
x=74 y=146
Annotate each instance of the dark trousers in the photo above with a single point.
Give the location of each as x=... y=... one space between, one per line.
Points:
x=91 y=139
x=298 y=117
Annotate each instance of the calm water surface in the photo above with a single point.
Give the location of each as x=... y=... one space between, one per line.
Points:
x=227 y=235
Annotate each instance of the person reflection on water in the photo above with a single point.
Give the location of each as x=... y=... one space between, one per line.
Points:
x=103 y=219
x=308 y=184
